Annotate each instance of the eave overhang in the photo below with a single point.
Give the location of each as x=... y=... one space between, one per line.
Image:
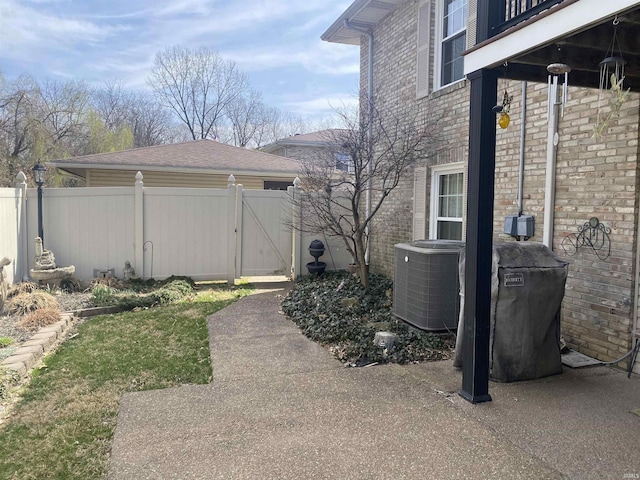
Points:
x=362 y=14
x=80 y=170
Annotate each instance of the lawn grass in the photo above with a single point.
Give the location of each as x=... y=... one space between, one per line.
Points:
x=63 y=425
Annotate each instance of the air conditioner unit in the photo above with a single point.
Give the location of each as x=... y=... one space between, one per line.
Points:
x=426 y=288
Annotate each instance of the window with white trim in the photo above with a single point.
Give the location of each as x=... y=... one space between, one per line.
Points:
x=447 y=202
x=452 y=40
x=343 y=161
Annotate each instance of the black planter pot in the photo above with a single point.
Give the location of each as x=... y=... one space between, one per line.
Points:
x=316 y=267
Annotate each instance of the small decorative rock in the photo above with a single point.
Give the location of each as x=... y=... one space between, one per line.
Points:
x=384 y=340
x=348 y=302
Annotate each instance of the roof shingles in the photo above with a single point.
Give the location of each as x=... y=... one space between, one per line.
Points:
x=198 y=155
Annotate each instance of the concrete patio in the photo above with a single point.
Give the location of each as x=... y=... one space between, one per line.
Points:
x=280 y=407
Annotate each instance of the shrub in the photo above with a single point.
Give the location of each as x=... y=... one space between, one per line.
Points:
x=173 y=291
x=335 y=310
x=24 y=303
x=22 y=287
x=5 y=342
x=70 y=285
x=40 y=318
x=103 y=295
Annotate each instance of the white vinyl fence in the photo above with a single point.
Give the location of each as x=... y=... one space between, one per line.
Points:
x=206 y=234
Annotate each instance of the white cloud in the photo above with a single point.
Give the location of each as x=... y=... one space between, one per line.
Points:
x=26 y=31
x=317 y=57
x=322 y=107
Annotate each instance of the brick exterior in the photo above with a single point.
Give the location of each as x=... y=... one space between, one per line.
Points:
x=394 y=81
x=593 y=178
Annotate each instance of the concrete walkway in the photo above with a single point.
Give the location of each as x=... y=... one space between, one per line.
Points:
x=280 y=407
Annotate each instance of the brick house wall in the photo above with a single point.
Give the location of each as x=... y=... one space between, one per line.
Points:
x=593 y=178
x=394 y=83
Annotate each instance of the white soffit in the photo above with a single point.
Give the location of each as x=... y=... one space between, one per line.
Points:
x=568 y=20
x=364 y=14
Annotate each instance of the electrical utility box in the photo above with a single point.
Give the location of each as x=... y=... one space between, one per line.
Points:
x=519 y=226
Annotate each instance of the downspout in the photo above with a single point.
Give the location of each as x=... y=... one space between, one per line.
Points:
x=636 y=290
x=369 y=35
x=552 y=149
x=523 y=130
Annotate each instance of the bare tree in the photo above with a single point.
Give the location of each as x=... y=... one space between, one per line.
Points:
x=112 y=103
x=148 y=120
x=245 y=115
x=38 y=122
x=198 y=85
x=276 y=124
x=381 y=146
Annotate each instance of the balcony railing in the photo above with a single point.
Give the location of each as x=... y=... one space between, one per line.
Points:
x=516 y=11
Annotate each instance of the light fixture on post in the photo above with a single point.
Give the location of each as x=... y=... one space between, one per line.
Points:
x=39 y=175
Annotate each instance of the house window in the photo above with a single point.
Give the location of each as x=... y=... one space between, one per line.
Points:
x=276 y=185
x=343 y=161
x=447 y=202
x=452 y=40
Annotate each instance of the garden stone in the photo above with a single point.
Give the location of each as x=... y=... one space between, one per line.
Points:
x=348 y=302
x=384 y=340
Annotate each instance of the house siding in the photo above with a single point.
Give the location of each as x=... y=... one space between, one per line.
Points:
x=593 y=178
x=120 y=178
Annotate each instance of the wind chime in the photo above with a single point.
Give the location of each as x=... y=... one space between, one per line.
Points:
x=611 y=83
x=556 y=70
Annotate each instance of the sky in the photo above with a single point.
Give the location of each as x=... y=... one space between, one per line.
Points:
x=275 y=42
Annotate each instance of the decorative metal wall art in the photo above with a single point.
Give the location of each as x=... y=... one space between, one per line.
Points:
x=592 y=234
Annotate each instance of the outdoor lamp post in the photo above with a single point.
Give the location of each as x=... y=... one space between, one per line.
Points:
x=39 y=173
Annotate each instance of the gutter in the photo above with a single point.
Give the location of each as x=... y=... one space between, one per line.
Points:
x=369 y=35
x=523 y=131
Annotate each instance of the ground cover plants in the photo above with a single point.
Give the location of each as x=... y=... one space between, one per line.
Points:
x=335 y=310
x=62 y=426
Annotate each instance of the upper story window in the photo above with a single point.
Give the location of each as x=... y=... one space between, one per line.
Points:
x=453 y=40
x=343 y=161
x=443 y=25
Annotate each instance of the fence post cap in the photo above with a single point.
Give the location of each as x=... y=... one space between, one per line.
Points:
x=21 y=178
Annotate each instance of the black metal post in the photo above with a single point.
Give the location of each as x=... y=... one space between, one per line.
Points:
x=39 y=175
x=40 y=230
x=479 y=241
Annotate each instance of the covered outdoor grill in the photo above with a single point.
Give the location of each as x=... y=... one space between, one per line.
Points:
x=527 y=288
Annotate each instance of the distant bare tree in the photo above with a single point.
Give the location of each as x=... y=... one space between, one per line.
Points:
x=148 y=120
x=381 y=147
x=277 y=124
x=112 y=103
x=245 y=115
x=198 y=85
x=38 y=122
